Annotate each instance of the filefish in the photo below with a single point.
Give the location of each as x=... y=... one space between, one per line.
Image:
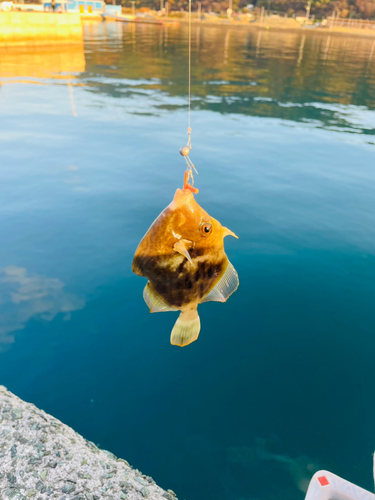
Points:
x=182 y=256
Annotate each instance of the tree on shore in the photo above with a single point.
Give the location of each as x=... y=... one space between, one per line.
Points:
x=355 y=9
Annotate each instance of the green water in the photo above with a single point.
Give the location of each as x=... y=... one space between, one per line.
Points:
x=281 y=380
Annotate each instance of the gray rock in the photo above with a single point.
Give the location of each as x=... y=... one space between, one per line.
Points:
x=68 y=488
x=52 y=462
x=109 y=454
x=168 y=496
x=124 y=461
x=11 y=478
x=12 y=492
x=84 y=475
x=39 y=486
x=16 y=414
x=140 y=481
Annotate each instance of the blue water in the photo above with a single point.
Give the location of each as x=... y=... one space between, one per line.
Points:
x=281 y=380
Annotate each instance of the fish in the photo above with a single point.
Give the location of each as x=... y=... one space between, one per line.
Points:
x=182 y=256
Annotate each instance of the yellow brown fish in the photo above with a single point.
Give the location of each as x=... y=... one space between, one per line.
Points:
x=182 y=256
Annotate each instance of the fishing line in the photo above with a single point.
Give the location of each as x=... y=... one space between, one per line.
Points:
x=185 y=150
x=189 y=128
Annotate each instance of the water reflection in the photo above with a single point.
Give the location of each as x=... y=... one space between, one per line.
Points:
x=323 y=81
x=290 y=76
x=24 y=296
x=40 y=64
x=30 y=64
x=78 y=194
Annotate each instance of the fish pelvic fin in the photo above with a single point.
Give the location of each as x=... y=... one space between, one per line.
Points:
x=186 y=328
x=154 y=302
x=181 y=247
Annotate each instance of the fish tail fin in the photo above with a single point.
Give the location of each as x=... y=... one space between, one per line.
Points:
x=186 y=328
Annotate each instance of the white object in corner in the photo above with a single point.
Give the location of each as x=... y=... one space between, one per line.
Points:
x=327 y=486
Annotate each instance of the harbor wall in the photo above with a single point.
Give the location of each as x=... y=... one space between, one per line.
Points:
x=22 y=28
x=42 y=458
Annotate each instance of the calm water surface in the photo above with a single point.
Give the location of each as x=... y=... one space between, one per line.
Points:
x=281 y=381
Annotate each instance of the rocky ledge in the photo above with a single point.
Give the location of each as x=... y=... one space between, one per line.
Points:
x=41 y=458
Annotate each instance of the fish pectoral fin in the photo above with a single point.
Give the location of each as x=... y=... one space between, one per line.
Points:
x=154 y=302
x=186 y=329
x=227 y=285
x=182 y=247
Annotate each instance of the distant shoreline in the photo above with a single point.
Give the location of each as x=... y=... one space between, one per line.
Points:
x=288 y=29
x=269 y=24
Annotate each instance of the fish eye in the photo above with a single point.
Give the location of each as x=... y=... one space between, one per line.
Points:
x=206 y=229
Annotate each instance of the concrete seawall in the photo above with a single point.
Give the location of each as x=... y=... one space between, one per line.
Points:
x=21 y=28
x=41 y=458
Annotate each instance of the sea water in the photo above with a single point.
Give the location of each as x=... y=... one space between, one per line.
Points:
x=281 y=381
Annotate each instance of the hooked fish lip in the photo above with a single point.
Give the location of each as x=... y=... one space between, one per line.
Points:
x=182 y=196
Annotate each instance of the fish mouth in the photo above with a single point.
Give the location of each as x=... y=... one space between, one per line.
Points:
x=182 y=197
x=182 y=194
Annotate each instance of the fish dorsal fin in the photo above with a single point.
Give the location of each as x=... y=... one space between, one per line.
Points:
x=154 y=302
x=227 y=285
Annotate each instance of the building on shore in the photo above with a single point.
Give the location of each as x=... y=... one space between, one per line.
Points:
x=59 y=6
x=77 y=6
